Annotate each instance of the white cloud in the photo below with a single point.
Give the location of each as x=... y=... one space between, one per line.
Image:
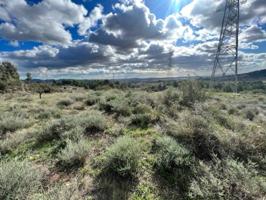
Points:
x=130 y=40
x=91 y=21
x=43 y=22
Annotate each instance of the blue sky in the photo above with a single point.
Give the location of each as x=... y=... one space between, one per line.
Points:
x=124 y=38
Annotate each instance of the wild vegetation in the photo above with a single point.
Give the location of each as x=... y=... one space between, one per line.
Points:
x=179 y=140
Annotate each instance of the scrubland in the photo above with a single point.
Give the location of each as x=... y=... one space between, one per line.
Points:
x=180 y=142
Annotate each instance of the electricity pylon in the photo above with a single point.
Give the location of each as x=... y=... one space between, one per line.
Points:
x=226 y=58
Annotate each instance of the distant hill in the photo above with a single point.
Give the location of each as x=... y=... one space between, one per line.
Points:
x=256 y=75
x=250 y=76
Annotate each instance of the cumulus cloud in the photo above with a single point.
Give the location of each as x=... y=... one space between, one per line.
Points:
x=77 y=54
x=129 y=40
x=132 y=23
x=43 y=22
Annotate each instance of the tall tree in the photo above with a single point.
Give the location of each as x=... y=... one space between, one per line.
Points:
x=9 y=76
x=28 y=77
x=8 y=72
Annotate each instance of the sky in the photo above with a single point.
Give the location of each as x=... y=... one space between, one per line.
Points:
x=103 y=39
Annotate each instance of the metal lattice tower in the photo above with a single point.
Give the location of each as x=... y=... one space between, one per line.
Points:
x=226 y=59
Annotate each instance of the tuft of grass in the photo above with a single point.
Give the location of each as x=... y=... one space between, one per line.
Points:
x=64 y=103
x=227 y=179
x=13 y=140
x=173 y=162
x=53 y=131
x=144 y=120
x=122 y=158
x=18 y=180
x=65 y=191
x=74 y=154
x=10 y=122
x=92 y=100
x=250 y=114
x=93 y=123
x=115 y=105
x=192 y=92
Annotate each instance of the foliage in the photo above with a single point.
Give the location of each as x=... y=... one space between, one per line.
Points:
x=93 y=122
x=10 y=122
x=144 y=120
x=28 y=77
x=122 y=158
x=64 y=103
x=53 y=131
x=226 y=180
x=18 y=180
x=173 y=161
x=65 y=191
x=73 y=155
x=8 y=72
x=192 y=92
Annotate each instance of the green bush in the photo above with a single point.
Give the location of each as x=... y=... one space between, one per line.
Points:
x=206 y=146
x=122 y=158
x=65 y=191
x=171 y=96
x=144 y=120
x=115 y=104
x=10 y=122
x=92 y=100
x=53 y=131
x=191 y=92
x=92 y=123
x=65 y=103
x=173 y=162
x=18 y=180
x=227 y=180
x=3 y=86
x=74 y=154
x=250 y=114
x=13 y=140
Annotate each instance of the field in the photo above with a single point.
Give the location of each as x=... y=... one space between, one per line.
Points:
x=133 y=143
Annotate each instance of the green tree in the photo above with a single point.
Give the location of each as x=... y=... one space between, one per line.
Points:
x=28 y=77
x=8 y=72
x=9 y=76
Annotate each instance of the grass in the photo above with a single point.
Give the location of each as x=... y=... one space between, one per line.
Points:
x=10 y=122
x=74 y=154
x=19 y=180
x=122 y=158
x=173 y=162
x=178 y=141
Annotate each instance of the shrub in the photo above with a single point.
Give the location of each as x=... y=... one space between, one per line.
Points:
x=53 y=131
x=232 y=111
x=227 y=180
x=207 y=146
x=47 y=114
x=92 y=100
x=65 y=191
x=223 y=119
x=13 y=140
x=192 y=92
x=250 y=114
x=18 y=179
x=144 y=120
x=74 y=154
x=3 y=86
x=122 y=158
x=92 y=123
x=65 y=103
x=171 y=96
x=173 y=161
x=10 y=122
x=117 y=105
